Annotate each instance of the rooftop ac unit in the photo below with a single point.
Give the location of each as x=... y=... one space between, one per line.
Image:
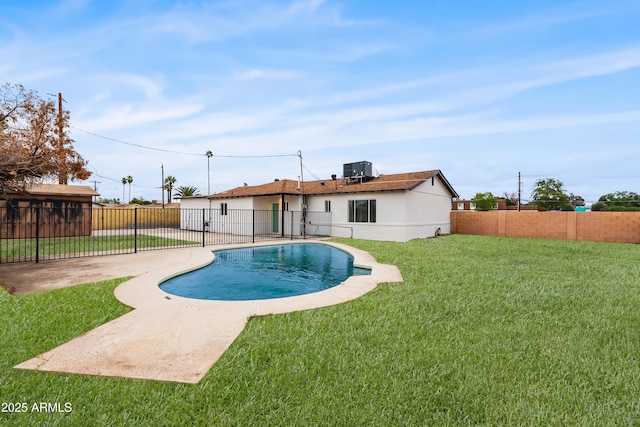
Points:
x=356 y=170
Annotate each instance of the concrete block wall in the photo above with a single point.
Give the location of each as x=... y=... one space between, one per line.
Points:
x=620 y=227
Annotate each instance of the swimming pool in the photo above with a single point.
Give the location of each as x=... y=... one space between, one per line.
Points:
x=266 y=272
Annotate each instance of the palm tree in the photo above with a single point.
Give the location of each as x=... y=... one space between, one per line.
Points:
x=124 y=182
x=187 y=191
x=168 y=185
x=129 y=181
x=209 y=154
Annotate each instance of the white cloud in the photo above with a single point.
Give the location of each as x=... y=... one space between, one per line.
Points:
x=128 y=116
x=303 y=6
x=219 y=21
x=72 y=5
x=208 y=127
x=356 y=52
x=477 y=86
x=534 y=20
x=587 y=66
x=193 y=31
x=150 y=86
x=204 y=22
x=267 y=74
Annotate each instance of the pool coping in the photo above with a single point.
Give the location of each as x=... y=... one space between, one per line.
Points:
x=144 y=290
x=171 y=338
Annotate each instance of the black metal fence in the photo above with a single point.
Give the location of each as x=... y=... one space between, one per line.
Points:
x=41 y=233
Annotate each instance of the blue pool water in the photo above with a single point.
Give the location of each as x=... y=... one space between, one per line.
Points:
x=266 y=272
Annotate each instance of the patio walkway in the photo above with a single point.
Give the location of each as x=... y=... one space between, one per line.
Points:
x=170 y=338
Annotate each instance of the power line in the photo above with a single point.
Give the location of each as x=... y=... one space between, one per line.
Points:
x=106 y=177
x=180 y=152
x=119 y=181
x=135 y=145
x=312 y=174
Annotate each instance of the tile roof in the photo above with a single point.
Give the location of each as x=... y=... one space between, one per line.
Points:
x=392 y=182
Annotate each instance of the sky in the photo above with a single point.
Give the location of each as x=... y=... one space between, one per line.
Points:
x=482 y=91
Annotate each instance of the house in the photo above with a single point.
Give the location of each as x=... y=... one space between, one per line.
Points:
x=394 y=207
x=60 y=210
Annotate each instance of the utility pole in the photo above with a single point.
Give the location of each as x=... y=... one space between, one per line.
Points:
x=62 y=174
x=519 y=190
x=95 y=188
x=162 y=185
x=301 y=175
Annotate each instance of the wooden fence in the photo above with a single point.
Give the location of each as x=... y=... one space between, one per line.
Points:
x=107 y=218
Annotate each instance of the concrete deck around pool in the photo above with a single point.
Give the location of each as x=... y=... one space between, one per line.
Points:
x=171 y=338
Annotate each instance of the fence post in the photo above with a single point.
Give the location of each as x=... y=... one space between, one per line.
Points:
x=203 y=226
x=135 y=230
x=292 y=218
x=253 y=226
x=37 y=234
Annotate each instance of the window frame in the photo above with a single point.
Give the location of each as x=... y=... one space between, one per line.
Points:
x=362 y=210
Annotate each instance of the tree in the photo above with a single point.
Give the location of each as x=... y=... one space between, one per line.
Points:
x=105 y=201
x=34 y=143
x=187 y=191
x=140 y=201
x=484 y=201
x=576 y=200
x=168 y=185
x=129 y=181
x=618 y=201
x=124 y=183
x=511 y=198
x=549 y=195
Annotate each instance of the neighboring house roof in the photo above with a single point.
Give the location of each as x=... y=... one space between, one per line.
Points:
x=391 y=182
x=149 y=206
x=56 y=189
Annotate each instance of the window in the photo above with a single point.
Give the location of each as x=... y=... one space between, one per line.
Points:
x=285 y=206
x=460 y=206
x=327 y=205
x=223 y=209
x=362 y=211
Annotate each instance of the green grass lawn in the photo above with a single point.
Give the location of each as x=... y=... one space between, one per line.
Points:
x=92 y=244
x=484 y=331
